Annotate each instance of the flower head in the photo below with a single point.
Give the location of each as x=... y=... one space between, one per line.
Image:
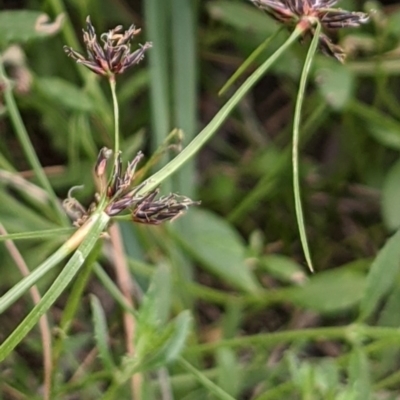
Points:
x=111 y=57
x=155 y=212
x=291 y=12
x=121 y=196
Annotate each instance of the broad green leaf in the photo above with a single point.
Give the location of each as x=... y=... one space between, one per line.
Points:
x=330 y=292
x=283 y=268
x=335 y=82
x=381 y=127
x=219 y=248
x=101 y=334
x=156 y=348
x=391 y=197
x=389 y=315
x=155 y=307
x=381 y=276
x=65 y=94
x=242 y=16
x=228 y=371
x=19 y=26
x=359 y=377
x=393 y=23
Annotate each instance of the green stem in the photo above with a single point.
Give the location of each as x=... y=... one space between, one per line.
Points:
x=97 y=223
x=116 y=115
x=249 y=60
x=73 y=304
x=113 y=289
x=295 y=145
x=196 y=144
x=206 y=382
x=24 y=284
x=349 y=333
x=27 y=146
x=51 y=233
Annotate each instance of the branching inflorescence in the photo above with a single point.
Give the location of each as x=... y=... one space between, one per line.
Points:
x=114 y=56
x=116 y=193
x=291 y=12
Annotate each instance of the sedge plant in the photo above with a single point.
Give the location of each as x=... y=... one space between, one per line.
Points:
x=120 y=197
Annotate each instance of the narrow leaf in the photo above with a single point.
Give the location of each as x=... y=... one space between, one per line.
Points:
x=204 y=381
x=101 y=334
x=391 y=197
x=381 y=276
x=67 y=274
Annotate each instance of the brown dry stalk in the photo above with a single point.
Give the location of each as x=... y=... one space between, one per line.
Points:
x=43 y=322
x=126 y=284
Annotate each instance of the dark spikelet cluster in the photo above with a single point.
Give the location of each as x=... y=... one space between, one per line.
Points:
x=122 y=196
x=113 y=56
x=167 y=208
x=291 y=12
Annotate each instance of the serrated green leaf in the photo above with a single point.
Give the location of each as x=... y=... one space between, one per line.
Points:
x=381 y=276
x=101 y=334
x=391 y=197
x=65 y=94
x=330 y=292
x=219 y=248
x=20 y=26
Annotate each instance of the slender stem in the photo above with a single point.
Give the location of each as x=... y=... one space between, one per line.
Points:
x=249 y=60
x=67 y=248
x=43 y=322
x=42 y=234
x=206 y=382
x=295 y=145
x=27 y=146
x=196 y=144
x=349 y=333
x=116 y=115
x=73 y=304
x=126 y=284
x=98 y=221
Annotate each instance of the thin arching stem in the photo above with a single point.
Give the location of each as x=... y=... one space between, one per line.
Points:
x=295 y=145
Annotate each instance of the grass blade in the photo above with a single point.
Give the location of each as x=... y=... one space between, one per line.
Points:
x=184 y=84
x=101 y=334
x=195 y=145
x=158 y=29
x=249 y=60
x=27 y=146
x=99 y=222
x=207 y=383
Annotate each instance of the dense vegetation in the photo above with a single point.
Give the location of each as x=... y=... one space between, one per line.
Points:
x=219 y=304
